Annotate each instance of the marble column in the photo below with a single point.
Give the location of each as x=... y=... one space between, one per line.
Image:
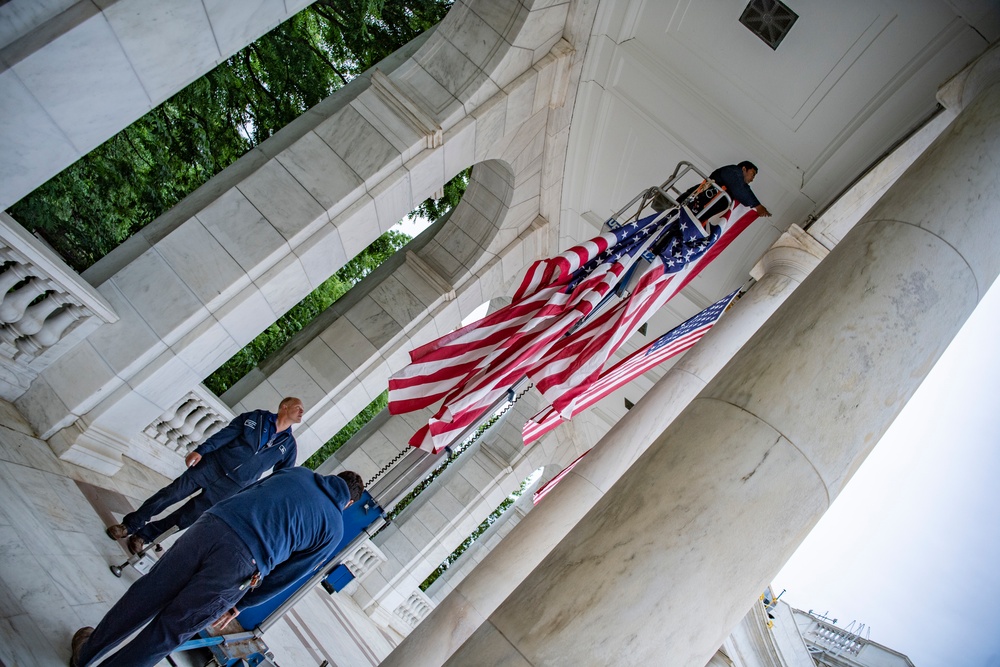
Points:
x=76 y=72
x=778 y=273
x=671 y=558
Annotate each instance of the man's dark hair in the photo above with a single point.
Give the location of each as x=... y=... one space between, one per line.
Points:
x=748 y=165
x=355 y=484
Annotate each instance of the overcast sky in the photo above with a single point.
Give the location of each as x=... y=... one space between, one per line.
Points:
x=911 y=547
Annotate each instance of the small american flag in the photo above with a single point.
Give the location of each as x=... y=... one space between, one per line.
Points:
x=670 y=344
x=544 y=489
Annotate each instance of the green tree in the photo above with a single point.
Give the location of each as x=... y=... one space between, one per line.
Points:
x=137 y=175
x=124 y=184
x=477 y=533
x=346 y=433
x=432 y=209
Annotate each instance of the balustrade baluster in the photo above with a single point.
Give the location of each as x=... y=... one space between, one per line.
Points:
x=52 y=331
x=16 y=302
x=181 y=415
x=197 y=435
x=12 y=276
x=187 y=428
x=35 y=316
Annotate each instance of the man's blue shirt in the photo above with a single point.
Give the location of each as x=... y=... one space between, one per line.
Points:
x=241 y=450
x=291 y=522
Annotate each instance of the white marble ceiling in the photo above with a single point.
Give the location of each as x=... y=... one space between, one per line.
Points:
x=671 y=80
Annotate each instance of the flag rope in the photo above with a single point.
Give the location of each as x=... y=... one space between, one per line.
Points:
x=465 y=444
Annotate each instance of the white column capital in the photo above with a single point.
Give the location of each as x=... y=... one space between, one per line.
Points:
x=795 y=254
x=963 y=88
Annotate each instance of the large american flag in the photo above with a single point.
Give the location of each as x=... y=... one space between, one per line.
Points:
x=470 y=369
x=678 y=254
x=670 y=344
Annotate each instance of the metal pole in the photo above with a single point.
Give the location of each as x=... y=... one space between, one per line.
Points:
x=306 y=587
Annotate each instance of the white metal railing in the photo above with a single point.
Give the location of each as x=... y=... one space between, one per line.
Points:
x=834 y=639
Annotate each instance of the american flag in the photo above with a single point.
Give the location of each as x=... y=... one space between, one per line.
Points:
x=470 y=368
x=544 y=489
x=670 y=344
x=539 y=333
x=677 y=255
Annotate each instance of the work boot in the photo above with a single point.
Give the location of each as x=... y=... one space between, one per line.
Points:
x=117 y=531
x=80 y=638
x=135 y=544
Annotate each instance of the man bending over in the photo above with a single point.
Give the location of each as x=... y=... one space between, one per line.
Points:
x=270 y=534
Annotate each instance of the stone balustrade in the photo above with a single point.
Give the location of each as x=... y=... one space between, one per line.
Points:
x=191 y=420
x=364 y=559
x=413 y=610
x=45 y=308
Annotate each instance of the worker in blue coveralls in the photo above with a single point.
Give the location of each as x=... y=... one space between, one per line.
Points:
x=248 y=547
x=230 y=460
x=736 y=179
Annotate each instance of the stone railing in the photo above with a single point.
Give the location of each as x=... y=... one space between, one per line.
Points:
x=189 y=421
x=364 y=560
x=413 y=610
x=833 y=639
x=45 y=308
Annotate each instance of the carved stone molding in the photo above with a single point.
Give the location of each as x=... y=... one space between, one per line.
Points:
x=364 y=559
x=408 y=110
x=795 y=254
x=413 y=610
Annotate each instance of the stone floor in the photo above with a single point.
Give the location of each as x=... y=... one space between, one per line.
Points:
x=54 y=559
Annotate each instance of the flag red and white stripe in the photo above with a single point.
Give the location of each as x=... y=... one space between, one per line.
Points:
x=470 y=368
x=677 y=340
x=576 y=362
x=551 y=484
x=470 y=399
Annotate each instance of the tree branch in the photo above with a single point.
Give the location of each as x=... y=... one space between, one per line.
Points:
x=135 y=149
x=253 y=77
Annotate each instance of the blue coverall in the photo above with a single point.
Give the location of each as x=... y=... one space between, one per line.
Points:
x=283 y=527
x=233 y=458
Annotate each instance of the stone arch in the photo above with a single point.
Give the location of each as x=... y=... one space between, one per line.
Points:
x=343 y=360
x=210 y=274
x=485 y=543
x=451 y=508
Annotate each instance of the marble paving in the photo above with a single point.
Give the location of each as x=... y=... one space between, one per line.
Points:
x=54 y=560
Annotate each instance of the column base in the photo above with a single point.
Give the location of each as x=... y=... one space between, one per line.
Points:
x=389 y=621
x=93 y=448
